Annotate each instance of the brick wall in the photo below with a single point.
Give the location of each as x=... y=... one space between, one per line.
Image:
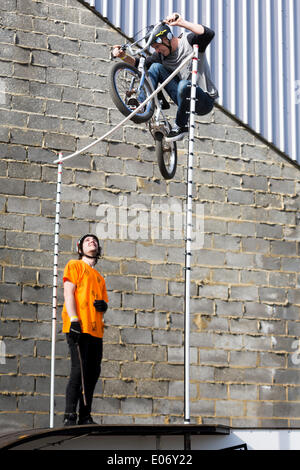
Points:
x=245 y=277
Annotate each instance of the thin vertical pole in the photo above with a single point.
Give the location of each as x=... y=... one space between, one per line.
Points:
x=54 y=295
x=188 y=249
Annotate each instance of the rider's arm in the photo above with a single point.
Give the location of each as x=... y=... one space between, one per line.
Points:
x=201 y=39
x=176 y=20
x=118 y=52
x=199 y=34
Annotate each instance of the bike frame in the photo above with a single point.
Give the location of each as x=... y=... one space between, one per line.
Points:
x=127 y=118
x=141 y=67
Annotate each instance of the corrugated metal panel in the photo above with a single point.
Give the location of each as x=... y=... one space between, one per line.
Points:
x=255 y=56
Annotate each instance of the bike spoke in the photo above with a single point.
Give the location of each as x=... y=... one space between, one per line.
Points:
x=127 y=84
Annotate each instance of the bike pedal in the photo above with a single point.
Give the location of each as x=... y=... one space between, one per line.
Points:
x=133 y=103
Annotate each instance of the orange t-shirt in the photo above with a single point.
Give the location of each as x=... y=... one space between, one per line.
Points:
x=90 y=286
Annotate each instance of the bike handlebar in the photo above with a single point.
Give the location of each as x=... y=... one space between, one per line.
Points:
x=149 y=42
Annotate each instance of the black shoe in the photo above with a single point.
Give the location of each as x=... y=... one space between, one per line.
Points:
x=86 y=420
x=177 y=133
x=70 y=419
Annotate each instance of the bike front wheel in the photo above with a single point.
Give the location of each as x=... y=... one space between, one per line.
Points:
x=166 y=153
x=127 y=93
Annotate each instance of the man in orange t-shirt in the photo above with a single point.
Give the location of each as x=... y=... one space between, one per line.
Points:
x=85 y=303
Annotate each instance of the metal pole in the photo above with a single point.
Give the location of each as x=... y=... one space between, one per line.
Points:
x=54 y=295
x=189 y=227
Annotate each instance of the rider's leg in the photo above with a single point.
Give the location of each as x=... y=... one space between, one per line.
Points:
x=158 y=74
x=204 y=103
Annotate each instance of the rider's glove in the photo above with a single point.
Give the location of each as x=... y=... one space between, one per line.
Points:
x=100 y=306
x=75 y=331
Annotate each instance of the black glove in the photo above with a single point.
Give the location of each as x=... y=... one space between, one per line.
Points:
x=75 y=331
x=100 y=306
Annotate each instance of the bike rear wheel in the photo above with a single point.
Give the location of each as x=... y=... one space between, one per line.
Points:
x=166 y=154
x=126 y=93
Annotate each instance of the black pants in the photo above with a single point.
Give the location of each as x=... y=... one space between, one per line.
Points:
x=91 y=354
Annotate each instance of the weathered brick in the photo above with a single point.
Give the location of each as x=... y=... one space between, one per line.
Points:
x=11 y=222
x=136 y=406
x=139 y=301
x=282 y=186
x=269 y=231
x=134 y=370
x=138 y=168
x=34 y=365
x=269 y=294
x=26 y=137
x=119 y=387
x=23 y=206
x=167 y=337
x=10 y=292
x=170 y=407
x=136 y=336
x=240 y=197
x=115 y=352
x=168 y=303
x=244 y=293
x=150 y=353
x=241 y=228
x=151 y=388
x=168 y=371
x=118 y=181
x=39 y=224
x=229 y=408
x=12 y=186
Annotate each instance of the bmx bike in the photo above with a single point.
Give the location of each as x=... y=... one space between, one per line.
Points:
x=129 y=87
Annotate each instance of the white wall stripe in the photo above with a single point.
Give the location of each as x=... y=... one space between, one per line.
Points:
x=243 y=83
x=269 y=110
x=278 y=123
x=232 y=47
x=292 y=78
x=219 y=57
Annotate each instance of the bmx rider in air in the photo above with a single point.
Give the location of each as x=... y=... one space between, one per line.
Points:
x=169 y=52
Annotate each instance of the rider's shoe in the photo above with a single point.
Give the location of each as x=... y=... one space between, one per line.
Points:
x=177 y=133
